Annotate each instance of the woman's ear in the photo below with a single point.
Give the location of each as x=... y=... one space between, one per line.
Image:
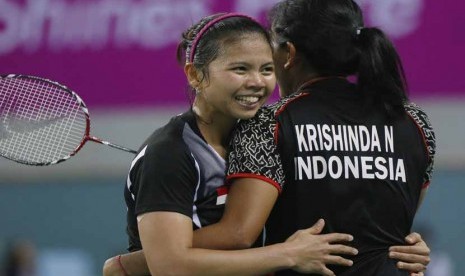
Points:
x=192 y=75
x=291 y=55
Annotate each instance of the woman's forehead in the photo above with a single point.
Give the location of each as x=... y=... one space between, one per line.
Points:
x=245 y=45
x=251 y=49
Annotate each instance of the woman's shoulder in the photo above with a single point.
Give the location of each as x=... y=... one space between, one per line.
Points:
x=276 y=108
x=418 y=115
x=423 y=123
x=168 y=136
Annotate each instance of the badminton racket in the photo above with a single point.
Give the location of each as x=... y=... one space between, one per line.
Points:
x=42 y=122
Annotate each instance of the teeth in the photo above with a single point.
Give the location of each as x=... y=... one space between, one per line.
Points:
x=248 y=99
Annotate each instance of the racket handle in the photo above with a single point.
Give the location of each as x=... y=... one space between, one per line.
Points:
x=95 y=139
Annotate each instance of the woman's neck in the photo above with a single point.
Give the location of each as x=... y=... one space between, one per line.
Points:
x=315 y=80
x=216 y=130
x=304 y=79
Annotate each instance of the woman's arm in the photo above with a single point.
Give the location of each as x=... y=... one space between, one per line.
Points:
x=238 y=228
x=167 y=241
x=248 y=205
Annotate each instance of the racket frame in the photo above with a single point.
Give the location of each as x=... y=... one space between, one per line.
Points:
x=86 y=137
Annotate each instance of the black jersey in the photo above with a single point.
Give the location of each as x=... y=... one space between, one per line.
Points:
x=175 y=171
x=330 y=158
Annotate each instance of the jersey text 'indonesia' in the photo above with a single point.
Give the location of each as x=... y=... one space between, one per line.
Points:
x=371 y=147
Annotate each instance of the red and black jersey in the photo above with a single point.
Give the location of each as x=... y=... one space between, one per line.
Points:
x=175 y=171
x=331 y=158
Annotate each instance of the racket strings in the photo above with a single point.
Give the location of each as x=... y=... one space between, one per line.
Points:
x=56 y=108
x=41 y=122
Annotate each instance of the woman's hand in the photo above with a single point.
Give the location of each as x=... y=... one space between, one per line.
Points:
x=413 y=257
x=312 y=251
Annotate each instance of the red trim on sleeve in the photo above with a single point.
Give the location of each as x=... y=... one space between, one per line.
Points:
x=276 y=131
x=229 y=178
x=425 y=185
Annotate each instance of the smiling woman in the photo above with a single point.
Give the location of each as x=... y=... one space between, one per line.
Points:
x=239 y=80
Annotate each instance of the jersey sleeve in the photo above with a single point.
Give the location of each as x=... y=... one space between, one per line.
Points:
x=254 y=153
x=429 y=138
x=165 y=180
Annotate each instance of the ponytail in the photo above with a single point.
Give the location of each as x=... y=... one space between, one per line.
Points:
x=381 y=77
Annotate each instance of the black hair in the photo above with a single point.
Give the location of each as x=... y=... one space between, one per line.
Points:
x=330 y=36
x=212 y=40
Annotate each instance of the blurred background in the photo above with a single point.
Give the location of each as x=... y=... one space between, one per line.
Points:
x=119 y=56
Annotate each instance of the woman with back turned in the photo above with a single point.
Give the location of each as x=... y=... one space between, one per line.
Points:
x=358 y=155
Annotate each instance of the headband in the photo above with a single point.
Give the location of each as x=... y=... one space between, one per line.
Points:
x=208 y=25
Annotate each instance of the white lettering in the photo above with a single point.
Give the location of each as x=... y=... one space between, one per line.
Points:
x=357 y=167
x=77 y=25
x=301 y=141
x=335 y=167
x=326 y=134
x=337 y=136
x=380 y=165
x=366 y=167
x=311 y=132
x=391 y=169
x=9 y=16
x=351 y=165
x=375 y=139
x=92 y=25
x=364 y=138
x=305 y=167
x=389 y=138
x=343 y=138
x=320 y=136
x=324 y=169
x=353 y=138
x=344 y=134
x=400 y=171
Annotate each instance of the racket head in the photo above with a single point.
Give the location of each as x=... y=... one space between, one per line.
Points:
x=42 y=122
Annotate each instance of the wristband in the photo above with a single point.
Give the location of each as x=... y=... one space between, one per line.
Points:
x=121 y=265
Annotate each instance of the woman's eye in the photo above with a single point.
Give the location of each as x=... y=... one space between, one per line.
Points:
x=240 y=69
x=268 y=70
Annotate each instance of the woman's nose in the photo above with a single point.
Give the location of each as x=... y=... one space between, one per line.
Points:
x=256 y=80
